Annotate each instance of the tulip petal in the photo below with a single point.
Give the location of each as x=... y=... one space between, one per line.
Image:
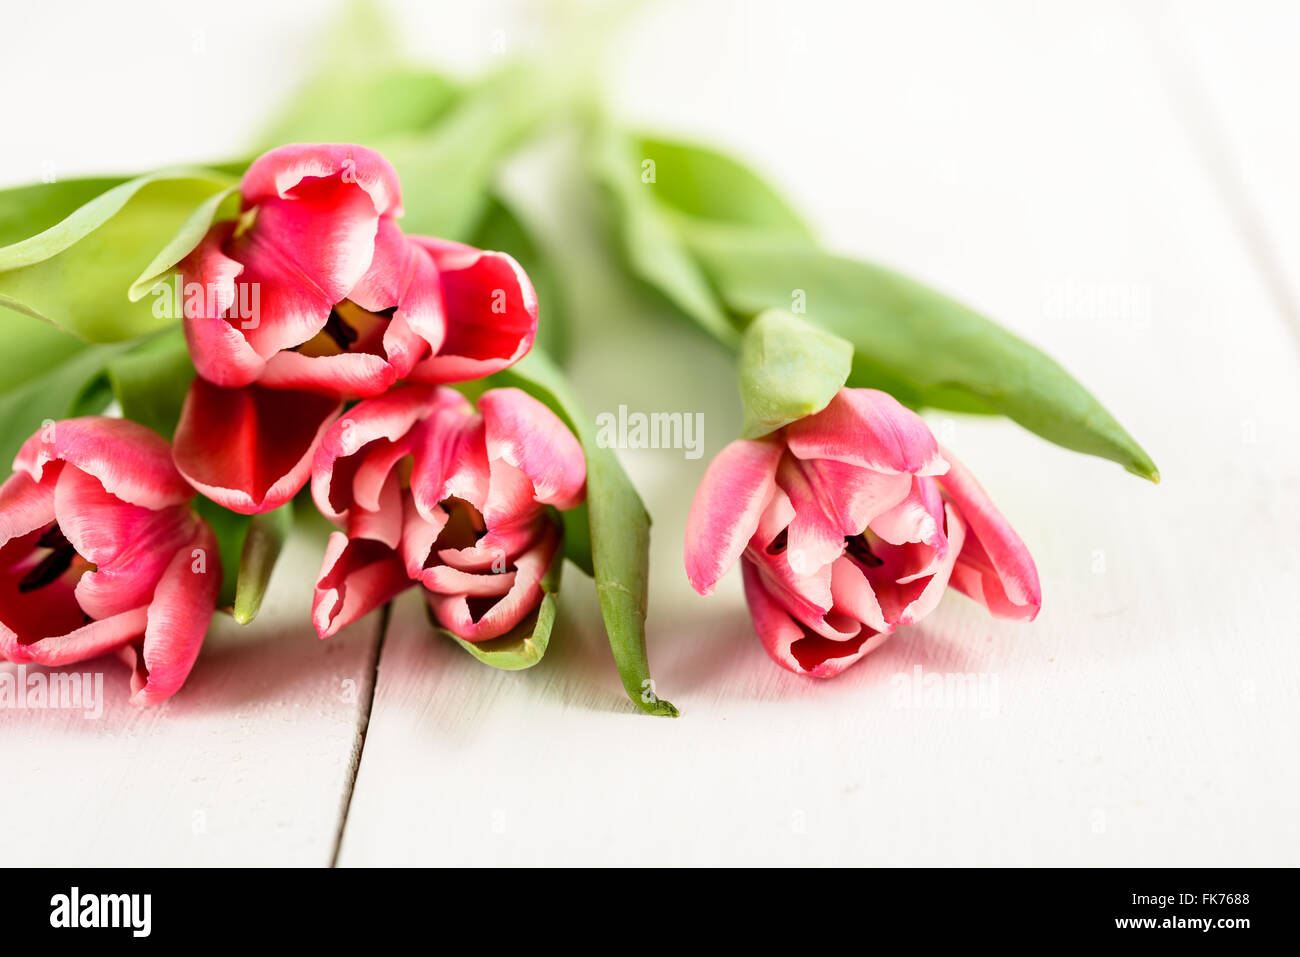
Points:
x=731 y=499
x=348 y=374
x=250 y=449
x=25 y=505
x=450 y=458
x=917 y=518
x=179 y=616
x=403 y=277
x=220 y=351
x=279 y=172
x=870 y=429
x=490 y=308
x=371 y=434
x=90 y=640
x=129 y=545
x=356 y=577
x=814 y=538
x=791 y=646
x=854 y=596
x=131 y=461
x=418 y=536
x=994 y=567
x=454 y=613
x=524 y=433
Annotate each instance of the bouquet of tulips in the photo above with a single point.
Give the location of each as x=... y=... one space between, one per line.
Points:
x=358 y=321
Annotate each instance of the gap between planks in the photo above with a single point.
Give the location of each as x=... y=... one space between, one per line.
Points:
x=359 y=742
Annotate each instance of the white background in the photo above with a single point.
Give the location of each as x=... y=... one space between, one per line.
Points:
x=1117 y=182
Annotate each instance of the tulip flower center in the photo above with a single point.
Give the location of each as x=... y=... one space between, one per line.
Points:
x=859 y=549
x=60 y=558
x=349 y=329
x=465 y=526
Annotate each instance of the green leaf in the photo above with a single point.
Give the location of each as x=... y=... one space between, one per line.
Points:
x=363 y=106
x=701 y=183
x=646 y=236
x=77 y=272
x=73 y=385
x=788 y=369
x=231 y=528
x=577 y=539
x=447 y=172
x=357 y=94
x=502 y=231
x=619 y=527
x=525 y=645
x=151 y=380
x=249 y=546
x=904 y=331
x=263 y=542
x=28 y=210
x=221 y=205
x=31 y=348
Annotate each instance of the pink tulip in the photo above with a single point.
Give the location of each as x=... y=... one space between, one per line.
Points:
x=851 y=522
x=100 y=552
x=315 y=292
x=431 y=491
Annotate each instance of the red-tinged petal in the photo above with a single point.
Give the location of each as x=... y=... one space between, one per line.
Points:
x=939 y=574
x=100 y=525
x=776 y=518
x=356 y=577
x=280 y=172
x=361 y=447
x=452 y=581
x=346 y=375
x=418 y=535
x=302 y=256
x=814 y=537
x=455 y=614
x=854 y=596
x=909 y=578
x=179 y=616
x=524 y=433
x=25 y=505
x=807 y=598
x=869 y=429
x=917 y=518
x=383 y=522
x=994 y=567
x=129 y=545
x=450 y=459
x=28 y=614
x=727 y=508
x=91 y=640
x=250 y=449
x=131 y=461
x=221 y=353
x=490 y=308
x=853 y=497
x=217 y=344
x=402 y=276
x=493 y=550
x=792 y=646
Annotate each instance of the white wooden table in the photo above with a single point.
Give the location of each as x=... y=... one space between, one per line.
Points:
x=1118 y=182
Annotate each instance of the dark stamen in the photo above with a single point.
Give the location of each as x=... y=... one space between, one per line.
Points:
x=859 y=549
x=778 y=543
x=53 y=565
x=337 y=328
x=480 y=605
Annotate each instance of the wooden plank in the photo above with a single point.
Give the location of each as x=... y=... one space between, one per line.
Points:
x=1029 y=159
x=249 y=764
